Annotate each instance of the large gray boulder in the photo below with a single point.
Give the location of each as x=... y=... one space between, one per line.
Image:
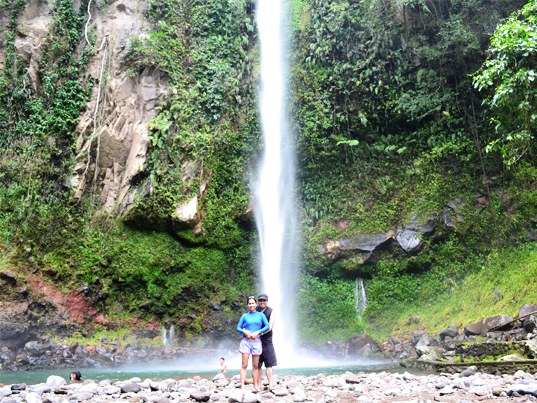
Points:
x=411 y=236
x=359 y=249
x=416 y=337
x=449 y=332
x=526 y=309
x=429 y=353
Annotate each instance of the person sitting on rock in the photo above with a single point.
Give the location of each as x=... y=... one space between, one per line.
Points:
x=223 y=366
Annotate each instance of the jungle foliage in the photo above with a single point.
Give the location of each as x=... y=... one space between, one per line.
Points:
x=390 y=103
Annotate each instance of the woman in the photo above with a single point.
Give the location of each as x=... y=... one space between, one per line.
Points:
x=252 y=325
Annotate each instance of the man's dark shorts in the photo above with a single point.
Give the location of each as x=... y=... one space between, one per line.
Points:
x=268 y=356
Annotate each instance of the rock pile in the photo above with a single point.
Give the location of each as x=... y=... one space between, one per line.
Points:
x=44 y=354
x=364 y=388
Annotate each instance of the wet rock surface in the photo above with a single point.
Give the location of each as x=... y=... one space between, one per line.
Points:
x=468 y=386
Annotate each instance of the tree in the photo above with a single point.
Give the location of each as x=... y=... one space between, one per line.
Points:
x=511 y=73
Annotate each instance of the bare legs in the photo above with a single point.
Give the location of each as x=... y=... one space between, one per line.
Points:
x=269 y=376
x=255 y=371
x=244 y=366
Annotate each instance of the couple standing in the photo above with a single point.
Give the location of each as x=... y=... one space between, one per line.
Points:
x=256 y=326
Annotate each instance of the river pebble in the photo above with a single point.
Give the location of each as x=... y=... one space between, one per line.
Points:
x=469 y=386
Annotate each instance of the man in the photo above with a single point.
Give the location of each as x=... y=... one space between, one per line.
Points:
x=268 y=356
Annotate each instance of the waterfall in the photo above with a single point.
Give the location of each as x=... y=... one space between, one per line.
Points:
x=163 y=335
x=168 y=341
x=360 y=299
x=274 y=192
x=171 y=339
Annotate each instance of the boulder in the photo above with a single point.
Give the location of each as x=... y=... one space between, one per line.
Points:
x=282 y=391
x=530 y=323
x=523 y=389
x=218 y=377
x=449 y=332
x=33 y=397
x=81 y=396
x=200 y=396
x=40 y=389
x=55 y=381
x=187 y=213
x=111 y=390
x=424 y=341
x=9 y=278
x=362 y=345
x=531 y=348
x=526 y=309
x=411 y=235
x=241 y=396
x=474 y=329
x=429 y=353
x=496 y=321
x=359 y=249
x=416 y=336
x=131 y=387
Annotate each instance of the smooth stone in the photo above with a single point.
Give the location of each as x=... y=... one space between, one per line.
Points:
x=82 y=396
x=55 y=381
x=200 y=396
x=352 y=379
x=215 y=397
x=527 y=389
x=105 y=382
x=19 y=386
x=135 y=380
x=448 y=390
x=299 y=397
x=281 y=392
x=241 y=396
x=40 y=389
x=131 y=387
x=161 y=400
x=197 y=378
x=33 y=397
x=219 y=376
x=111 y=390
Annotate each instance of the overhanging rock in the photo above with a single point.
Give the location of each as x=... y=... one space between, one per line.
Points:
x=411 y=236
x=360 y=249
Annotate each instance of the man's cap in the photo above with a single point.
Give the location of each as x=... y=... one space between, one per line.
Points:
x=262 y=296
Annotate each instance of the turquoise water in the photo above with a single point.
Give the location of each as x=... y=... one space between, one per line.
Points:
x=159 y=371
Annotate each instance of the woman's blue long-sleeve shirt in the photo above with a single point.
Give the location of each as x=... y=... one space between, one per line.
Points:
x=254 y=322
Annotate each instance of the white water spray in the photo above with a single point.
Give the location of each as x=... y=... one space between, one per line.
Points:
x=274 y=204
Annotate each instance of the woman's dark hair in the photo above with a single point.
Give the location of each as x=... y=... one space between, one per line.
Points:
x=222 y=358
x=251 y=297
x=78 y=375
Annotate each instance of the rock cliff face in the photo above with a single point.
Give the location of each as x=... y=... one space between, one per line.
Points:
x=112 y=137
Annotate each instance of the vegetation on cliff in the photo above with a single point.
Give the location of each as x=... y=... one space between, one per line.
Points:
x=390 y=104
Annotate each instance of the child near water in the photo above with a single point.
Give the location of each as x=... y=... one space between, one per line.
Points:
x=223 y=366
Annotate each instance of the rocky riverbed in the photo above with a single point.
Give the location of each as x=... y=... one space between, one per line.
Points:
x=466 y=386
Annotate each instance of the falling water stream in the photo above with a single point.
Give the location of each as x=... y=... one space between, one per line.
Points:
x=360 y=299
x=273 y=198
